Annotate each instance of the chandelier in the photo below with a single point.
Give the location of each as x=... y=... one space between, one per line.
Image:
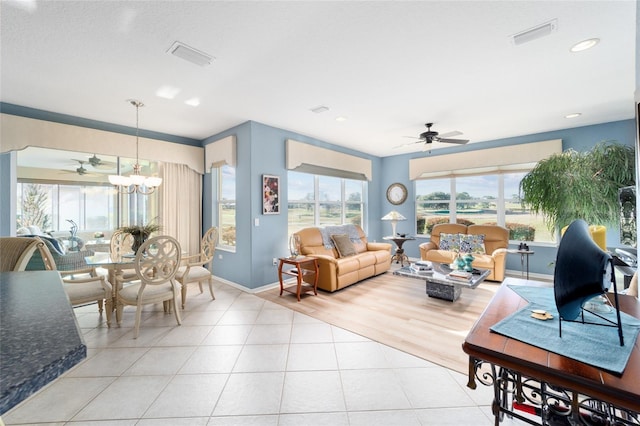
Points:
x=135 y=182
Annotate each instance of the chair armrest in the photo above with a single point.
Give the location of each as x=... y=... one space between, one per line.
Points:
x=91 y=270
x=428 y=246
x=323 y=258
x=501 y=252
x=78 y=281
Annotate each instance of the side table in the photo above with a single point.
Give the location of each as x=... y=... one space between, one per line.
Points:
x=301 y=268
x=523 y=254
x=399 y=255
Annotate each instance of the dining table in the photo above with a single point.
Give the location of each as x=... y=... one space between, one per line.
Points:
x=115 y=266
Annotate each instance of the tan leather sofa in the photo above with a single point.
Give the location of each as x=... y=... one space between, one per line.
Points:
x=496 y=241
x=338 y=272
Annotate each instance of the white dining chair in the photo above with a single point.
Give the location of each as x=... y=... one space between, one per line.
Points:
x=155 y=264
x=194 y=268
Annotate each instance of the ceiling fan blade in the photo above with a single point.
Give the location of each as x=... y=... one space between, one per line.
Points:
x=456 y=141
x=104 y=165
x=407 y=144
x=450 y=134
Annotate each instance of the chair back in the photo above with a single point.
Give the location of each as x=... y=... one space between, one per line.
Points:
x=17 y=251
x=120 y=244
x=157 y=260
x=208 y=248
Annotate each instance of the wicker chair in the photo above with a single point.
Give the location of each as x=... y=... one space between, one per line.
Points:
x=18 y=251
x=194 y=267
x=81 y=282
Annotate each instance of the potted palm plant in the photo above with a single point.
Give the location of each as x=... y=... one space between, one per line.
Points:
x=580 y=185
x=140 y=233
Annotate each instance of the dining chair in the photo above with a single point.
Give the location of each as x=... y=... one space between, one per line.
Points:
x=17 y=252
x=194 y=268
x=156 y=263
x=121 y=244
x=82 y=285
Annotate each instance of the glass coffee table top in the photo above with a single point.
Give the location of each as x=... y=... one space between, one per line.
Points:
x=439 y=274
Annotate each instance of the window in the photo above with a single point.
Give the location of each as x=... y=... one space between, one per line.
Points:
x=51 y=206
x=226 y=211
x=479 y=199
x=56 y=186
x=317 y=200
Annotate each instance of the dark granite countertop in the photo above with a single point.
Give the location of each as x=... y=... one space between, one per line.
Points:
x=39 y=335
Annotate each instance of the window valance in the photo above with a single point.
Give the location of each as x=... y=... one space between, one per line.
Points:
x=512 y=158
x=303 y=157
x=20 y=132
x=221 y=152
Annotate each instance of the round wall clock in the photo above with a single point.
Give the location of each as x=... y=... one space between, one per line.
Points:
x=397 y=193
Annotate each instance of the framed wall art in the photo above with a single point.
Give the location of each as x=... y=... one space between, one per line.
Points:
x=270 y=194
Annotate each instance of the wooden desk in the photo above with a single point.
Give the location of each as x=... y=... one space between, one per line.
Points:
x=517 y=371
x=301 y=269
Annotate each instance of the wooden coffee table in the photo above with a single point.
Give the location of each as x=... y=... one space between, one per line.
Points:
x=439 y=285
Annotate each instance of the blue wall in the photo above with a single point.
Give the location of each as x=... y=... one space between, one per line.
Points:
x=261 y=149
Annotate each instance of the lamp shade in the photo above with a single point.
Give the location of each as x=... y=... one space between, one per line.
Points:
x=393 y=215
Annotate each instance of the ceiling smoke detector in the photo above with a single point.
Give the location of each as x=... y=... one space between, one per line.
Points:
x=190 y=54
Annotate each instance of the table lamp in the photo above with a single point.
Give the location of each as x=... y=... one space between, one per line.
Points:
x=394 y=217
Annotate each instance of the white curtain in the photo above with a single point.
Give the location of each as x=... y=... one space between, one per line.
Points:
x=181 y=205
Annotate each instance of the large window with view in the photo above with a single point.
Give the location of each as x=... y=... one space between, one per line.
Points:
x=479 y=199
x=226 y=211
x=59 y=190
x=317 y=200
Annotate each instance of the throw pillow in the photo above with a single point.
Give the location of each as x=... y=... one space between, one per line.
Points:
x=472 y=243
x=343 y=245
x=449 y=242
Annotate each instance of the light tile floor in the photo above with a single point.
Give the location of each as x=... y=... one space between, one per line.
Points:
x=240 y=360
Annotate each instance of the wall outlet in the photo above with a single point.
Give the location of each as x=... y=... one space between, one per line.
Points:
x=275 y=261
x=219 y=256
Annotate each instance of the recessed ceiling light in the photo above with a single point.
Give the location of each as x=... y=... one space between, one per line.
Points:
x=319 y=109
x=341 y=118
x=585 y=44
x=574 y=115
x=194 y=102
x=167 y=92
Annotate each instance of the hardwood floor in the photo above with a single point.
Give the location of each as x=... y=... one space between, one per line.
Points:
x=397 y=312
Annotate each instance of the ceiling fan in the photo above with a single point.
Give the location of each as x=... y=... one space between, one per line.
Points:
x=98 y=163
x=431 y=136
x=80 y=170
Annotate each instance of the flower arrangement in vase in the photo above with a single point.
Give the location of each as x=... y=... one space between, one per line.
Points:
x=140 y=233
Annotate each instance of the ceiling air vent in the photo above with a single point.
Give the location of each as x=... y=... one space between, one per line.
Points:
x=536 y=32
x=190 y=54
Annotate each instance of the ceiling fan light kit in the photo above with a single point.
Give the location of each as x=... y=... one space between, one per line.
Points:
x=136 y=182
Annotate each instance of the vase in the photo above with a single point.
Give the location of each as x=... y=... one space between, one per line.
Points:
x=460 y=263
x=138 y=240
x=294 y=245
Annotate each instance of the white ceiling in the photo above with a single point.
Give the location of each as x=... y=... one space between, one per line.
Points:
x=389 y=67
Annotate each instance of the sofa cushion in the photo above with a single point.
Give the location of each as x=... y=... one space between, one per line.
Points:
x=472 y=243
x=449 y=242
x=343 y=244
